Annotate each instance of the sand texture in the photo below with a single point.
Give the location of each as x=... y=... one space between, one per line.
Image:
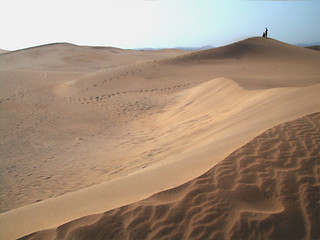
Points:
x=87 y=129
x=267 y=189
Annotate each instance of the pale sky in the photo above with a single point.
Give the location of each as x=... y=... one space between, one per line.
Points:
x=154 y=23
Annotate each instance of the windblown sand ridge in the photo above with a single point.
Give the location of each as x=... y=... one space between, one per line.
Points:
x=139 y=127
x=267 y=189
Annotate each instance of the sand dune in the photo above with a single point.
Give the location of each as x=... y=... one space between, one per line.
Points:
x=316 y=47
x=133 y=123
x=3 y=51
x=70 y=57
x=267 y=189
x=41 y=130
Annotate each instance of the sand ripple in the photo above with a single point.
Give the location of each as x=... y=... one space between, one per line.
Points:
x=267 y=189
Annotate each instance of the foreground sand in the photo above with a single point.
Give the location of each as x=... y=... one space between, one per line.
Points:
x=267 y=189
x=74 y=117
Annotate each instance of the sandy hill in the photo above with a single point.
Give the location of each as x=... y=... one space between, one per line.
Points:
x=84 y=133
x=267 y=189
x=316 y=47
x=70 y=57
x=233 y=61
x=3 y=51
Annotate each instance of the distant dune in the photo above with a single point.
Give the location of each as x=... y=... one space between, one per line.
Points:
x=314 y=47
x=70 y=57
x=180 y=48
x=3 y=51
x=224 y=141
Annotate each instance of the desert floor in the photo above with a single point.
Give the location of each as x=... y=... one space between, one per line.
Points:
x=106 y=143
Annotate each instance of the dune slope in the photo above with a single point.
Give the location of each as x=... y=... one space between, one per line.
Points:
x=70 y=57
x=269 y=188
x=45 y=134
x=86 y=130
x=188 y=138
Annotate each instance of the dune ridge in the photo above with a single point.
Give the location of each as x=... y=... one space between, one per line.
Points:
x=70 y=57
x=269 y=188
x=178 y=144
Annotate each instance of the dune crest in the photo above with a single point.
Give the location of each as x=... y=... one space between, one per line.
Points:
x=191 y=135
x=268 y=188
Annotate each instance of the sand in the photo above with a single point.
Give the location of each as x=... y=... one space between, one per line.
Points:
x=267 y=189
x=87 y=130
x=3 y=51
x=316 y=47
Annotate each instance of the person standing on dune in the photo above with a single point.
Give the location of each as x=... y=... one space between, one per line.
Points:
x=266 y=32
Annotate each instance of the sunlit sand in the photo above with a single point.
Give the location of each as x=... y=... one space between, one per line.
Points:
x=220 y=143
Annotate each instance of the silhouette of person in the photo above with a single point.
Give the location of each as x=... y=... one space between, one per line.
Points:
x=266 y=32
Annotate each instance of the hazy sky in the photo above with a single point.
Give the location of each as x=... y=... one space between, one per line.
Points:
x=154 y=23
